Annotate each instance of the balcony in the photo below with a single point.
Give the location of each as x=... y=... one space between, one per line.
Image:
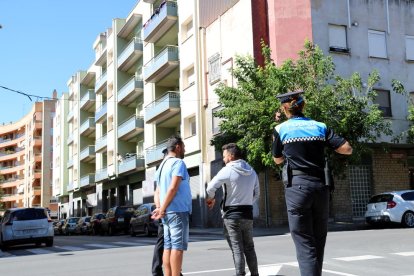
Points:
x=37 y=125
x=69 y=164
x=154 y=153
x=161 y=65
x=12 y=169
x=88 y=101
x=132 y=164
x=87 y=180
x=149 y=1
x=70 y=138
x=101 y=143
x=37 y=190
x=12 y=182
x=101 y=174
x=130 y=55
x=70 y=186
x=71 y=114
x=37 y=157
x=37 y=141
x=131 y=23
x=131 y=90
x=87 y=154
x=101 y=59
x=100 y=84
x=161 y=21
x=163 y=108
x=100 y=114
x=87 y=128
x=130 y=128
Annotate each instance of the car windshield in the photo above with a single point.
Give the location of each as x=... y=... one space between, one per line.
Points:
x=124 y=211
x=72 y=220
x=381 y=198
x=29 y=214
x=88 y=219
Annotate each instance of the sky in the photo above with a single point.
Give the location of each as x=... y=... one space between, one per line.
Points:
x=44 y=42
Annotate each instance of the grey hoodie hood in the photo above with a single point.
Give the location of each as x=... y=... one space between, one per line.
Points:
x=240 y=166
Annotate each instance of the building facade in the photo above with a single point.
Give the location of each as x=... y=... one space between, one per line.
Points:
x=26 y=158
x=154 y=75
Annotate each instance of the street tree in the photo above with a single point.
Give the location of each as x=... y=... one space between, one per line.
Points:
x=344 y=104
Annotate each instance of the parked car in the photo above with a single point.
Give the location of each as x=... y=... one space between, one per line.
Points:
x=83 y=226
x=141 y=221
x=397 y=207
x=95 y=224
x=117 y=219
x=57 y=226
x=70 y=225
x=26 y=225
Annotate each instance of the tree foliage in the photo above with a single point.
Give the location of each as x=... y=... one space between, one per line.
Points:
x=344 y=104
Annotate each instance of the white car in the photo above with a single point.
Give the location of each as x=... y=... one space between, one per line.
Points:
x=397 y=206
x=26 y=225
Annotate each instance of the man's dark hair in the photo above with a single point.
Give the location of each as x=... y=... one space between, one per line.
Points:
x=173 y=141
x=233 y=149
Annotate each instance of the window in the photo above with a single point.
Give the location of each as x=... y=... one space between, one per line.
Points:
x=190 y=126
x=384 y=102
x=189 y=77
x=412 y=97
x=409 y=47
x=216 y=120
x=187 y=29
x=377 y=44
x=337 y=39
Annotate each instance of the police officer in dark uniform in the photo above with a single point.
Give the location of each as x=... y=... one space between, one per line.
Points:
x=299 y=143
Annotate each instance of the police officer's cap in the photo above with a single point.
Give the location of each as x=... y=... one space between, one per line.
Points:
x=287 y=97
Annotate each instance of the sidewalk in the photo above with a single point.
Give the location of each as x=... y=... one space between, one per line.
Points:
x=284 y=229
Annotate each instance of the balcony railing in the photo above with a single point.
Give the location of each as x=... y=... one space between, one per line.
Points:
x=130 y=55
x=131 y=90
x=101 y=143
x=164 y=17
x=69 y=164
x=87 y=154
x=131 y=164
x=162 y=64
x=154 y=153
x=131 y=127
x=162 y=108
x=88 y=100
x=71 y=114
x=100 y=83
x=87 y=128
x=70 y=138
x=101 y=174
x=100 y=114
x=87 y=180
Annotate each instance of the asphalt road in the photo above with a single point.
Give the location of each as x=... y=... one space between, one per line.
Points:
x=363 y=253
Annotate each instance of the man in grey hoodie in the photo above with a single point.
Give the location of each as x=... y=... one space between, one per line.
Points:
x=241 y=189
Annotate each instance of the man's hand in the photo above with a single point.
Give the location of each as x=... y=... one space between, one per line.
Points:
x=157 y=214
x=210 y=203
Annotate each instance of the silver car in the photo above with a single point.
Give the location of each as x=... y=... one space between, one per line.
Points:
x=397 y=206
x=26 y=225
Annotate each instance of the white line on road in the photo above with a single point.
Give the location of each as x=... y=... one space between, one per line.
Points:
x=101 y=245
x=405 y=254
x=337 y=272
x=71 y=248
x=269 y=270
x=40 y=251
x=358 y=258
x=126 y=243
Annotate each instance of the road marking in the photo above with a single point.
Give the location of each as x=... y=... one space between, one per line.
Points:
x=208 y=271
x=101 y=245
x=338 y=273
x=405 y=254
x=358 y=258
x=126 y=243
x=267 y=270
x=40 y=251
x=71 y=248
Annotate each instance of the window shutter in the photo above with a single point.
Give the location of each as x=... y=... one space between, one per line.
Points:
x=409 y=47
x=377 y=44
x=337 y=37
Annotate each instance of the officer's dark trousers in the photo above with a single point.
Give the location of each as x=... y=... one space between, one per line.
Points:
x=307 y=202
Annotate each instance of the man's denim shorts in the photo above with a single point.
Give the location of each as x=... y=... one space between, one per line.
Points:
x=176 y=230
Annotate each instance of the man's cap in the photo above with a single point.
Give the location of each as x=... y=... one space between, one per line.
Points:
x=284 y=98
x=164 y=151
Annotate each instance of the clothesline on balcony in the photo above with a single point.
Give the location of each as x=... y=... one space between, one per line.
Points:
x=156 y=12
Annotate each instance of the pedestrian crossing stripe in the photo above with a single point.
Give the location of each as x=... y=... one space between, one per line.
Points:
x=405 y=254
x=71 y=248
x=39 y=251
x=101 y=245
x=358 y=258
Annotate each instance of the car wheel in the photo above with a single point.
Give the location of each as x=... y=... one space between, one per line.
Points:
x=38 y=244
x=131 y=232
x=49 y=243
x=3 y=246
x=408 y=219
x=147 y=231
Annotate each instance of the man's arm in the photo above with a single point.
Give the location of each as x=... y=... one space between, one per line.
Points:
x=256 y=193
x=157 y=197
x=171 y=192
x=212 y=187
x=279 y=160
x=345 y=148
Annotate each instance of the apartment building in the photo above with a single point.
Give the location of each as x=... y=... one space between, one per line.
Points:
x=26 y=158
x=154 y=75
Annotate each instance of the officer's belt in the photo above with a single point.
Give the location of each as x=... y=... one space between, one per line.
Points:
x=310 y=173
